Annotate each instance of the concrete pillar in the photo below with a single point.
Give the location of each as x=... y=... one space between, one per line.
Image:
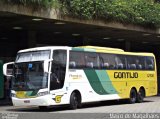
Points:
x=32 y=39
x=127 y=45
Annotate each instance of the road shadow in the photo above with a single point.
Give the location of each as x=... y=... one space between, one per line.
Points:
x=5 y=102
x=84 y=106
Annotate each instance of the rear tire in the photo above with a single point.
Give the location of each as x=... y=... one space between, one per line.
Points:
x=140 y=95
x=133 y=96
x=74 y=103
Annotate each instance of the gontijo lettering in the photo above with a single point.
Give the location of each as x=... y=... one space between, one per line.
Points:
x=125 y=75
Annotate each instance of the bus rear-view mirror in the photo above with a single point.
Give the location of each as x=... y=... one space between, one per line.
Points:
x=8 y=69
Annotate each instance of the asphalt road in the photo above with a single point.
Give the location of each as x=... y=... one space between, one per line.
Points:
x=150 y=108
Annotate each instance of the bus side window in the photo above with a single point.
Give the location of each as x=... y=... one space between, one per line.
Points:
x=58 y=69
x=120 y=66
x=92 y=60
x=132 y=66
x=76 y=60
x=150 y=66
x=106 y=65
x=140 y=62
x=136 y=62
x=72 y=64
x=107 y=61
x=139 y=66
x=120 y=62
x=131 y=63
x=149 y=63
x=89 y=64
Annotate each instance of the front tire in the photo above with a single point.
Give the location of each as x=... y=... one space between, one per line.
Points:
x=74 y=101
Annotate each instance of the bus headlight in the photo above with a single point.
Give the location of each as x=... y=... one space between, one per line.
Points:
x=13 y=95
x=43 y=93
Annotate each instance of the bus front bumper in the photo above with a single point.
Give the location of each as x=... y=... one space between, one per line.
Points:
x=46 y=100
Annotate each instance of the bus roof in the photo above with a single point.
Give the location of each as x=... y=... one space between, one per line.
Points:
x=90 y=49
x=101 y=48
x=112 y=50
x=43 y=48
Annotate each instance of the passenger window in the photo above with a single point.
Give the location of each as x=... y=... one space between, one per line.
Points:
x=120 y=62
x=92 y=60
x=72 y=64
x=136 y=62
x=76 y=60
x=58 y=69
x=149 y=63
x=60 y=56
x=107 y=61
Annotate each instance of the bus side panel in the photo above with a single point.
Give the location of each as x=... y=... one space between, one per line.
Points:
x=91 y=86
x=98 y=85
x=124 y=80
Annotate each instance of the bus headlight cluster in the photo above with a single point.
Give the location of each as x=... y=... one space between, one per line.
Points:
x=43 y=93
x=13 y=95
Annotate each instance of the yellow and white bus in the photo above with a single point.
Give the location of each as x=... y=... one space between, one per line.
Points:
x=48 y=76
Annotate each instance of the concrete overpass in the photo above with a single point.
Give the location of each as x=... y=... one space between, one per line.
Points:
x=24 y=27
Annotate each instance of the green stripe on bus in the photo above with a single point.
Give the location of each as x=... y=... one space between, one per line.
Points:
x=95 y=82
x=89 y=50
x=78 y=49
x=105 y=81
x=84 y=49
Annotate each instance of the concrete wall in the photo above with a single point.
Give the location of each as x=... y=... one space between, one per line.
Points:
x=56 y=15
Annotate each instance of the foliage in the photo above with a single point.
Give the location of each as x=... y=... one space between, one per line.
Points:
x=141 y=12
x=41 y=3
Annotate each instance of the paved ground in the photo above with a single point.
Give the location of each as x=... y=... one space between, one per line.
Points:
x=93 y=111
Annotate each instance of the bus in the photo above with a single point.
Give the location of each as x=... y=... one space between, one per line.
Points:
x=62 y=75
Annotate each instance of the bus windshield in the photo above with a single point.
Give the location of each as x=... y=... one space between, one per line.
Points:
x=40 y=55
x=29 y=76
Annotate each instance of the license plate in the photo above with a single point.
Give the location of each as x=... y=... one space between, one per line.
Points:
x=27 y=101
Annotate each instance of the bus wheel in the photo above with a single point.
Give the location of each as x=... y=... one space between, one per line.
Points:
x=133 y=96
x=140 y=95
x=74 y=101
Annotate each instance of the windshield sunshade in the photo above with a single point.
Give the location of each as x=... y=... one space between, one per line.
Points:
x=33 y=56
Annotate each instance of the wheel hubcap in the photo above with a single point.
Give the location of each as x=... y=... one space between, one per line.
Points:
x=75 y=101
x=133 y=96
